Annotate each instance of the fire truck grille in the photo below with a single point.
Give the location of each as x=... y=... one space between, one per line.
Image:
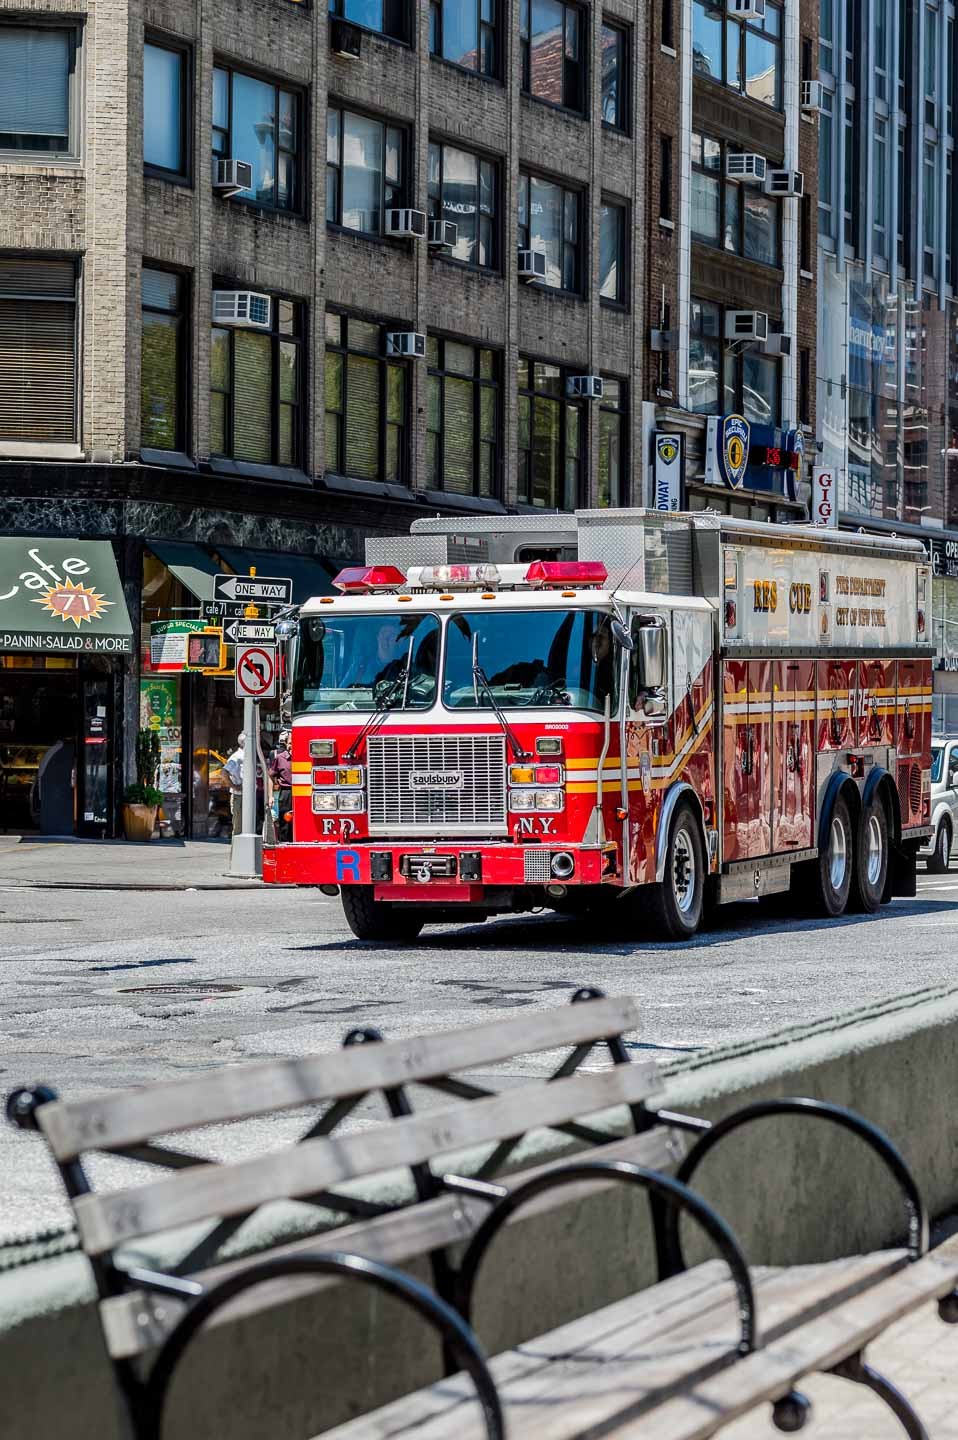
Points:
x=436 y=782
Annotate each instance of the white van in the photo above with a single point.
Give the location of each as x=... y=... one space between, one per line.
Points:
x=944 y=804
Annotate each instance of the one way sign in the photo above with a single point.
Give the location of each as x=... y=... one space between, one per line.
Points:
x=238 y=632
x=253 y=587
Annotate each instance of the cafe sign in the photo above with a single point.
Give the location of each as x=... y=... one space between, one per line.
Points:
x=61 y=596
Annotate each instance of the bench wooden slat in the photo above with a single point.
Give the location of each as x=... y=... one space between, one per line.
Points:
x=771 y=1372
x=135 y=1322
x=221 y=1190
x=241 y=1091
x=665 y=1306
x=613 y=1372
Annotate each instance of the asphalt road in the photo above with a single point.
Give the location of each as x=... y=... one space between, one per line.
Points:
x=111 y=988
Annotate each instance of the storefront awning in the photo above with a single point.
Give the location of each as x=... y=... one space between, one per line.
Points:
x=192 y=565
x=310 y=576
x=62 y=596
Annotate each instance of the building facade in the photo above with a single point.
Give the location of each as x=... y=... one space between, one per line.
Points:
x=888 y=257
x=731 y=276
x=209 y=278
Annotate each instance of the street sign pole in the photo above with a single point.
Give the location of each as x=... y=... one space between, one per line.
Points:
x=246 y=851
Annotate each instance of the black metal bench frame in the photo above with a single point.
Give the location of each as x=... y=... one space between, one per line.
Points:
x=447 y=1307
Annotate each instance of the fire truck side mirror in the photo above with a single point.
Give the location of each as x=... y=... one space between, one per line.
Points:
x=622 y=637
x=648 y=670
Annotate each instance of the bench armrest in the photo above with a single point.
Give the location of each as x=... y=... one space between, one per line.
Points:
x=877 y=1140
x=665 y=1193
x=457 y=1336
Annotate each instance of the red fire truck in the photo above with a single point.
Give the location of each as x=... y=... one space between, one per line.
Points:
x=668 y=712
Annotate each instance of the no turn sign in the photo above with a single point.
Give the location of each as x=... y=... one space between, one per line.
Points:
x=256 y=671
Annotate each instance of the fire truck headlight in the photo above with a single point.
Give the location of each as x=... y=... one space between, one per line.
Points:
x=351 y=801
x=322 y=749
x=549 y=799
x=521 y=775
x=522 y=799
x=323 y=800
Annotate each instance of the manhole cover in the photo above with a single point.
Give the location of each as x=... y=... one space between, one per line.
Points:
x=188 y=989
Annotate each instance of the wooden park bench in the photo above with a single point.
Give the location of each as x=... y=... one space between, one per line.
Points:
x=680 y=1359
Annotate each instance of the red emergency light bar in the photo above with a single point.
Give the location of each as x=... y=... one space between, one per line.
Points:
x=546 y=574
x=358 y=579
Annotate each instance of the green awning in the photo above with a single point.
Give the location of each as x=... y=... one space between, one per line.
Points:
x=193 y=565
x=62 y=596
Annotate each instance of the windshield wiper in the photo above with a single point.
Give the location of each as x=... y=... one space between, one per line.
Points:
x=479 y=678
x=384 y=704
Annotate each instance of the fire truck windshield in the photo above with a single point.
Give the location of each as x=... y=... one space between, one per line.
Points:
x=350 y=662
x=530 y=658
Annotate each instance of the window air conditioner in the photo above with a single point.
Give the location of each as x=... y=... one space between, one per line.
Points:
x=345 y=39
x=244 y=308
x=584 y=387
x=532 y=265
x=813 y=97
x=232 y=177
x=745 y=166
x=778 y=345
x=406 y=223
x=407 y=343
x=443 y=234
x=746 y=325
x=746 y=9
x=785 y=182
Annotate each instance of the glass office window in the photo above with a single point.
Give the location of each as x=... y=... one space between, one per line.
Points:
x=36 y=89
x=549 y=222
x=259 y=122
x=613 y=230
x=462 y=417
x=463 y=188
x=615 y=75
x=165 y=109
x=163 y=360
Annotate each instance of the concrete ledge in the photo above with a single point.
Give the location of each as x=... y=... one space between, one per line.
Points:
x=794 y=1189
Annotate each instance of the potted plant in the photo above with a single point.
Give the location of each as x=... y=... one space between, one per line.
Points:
x=143 y=799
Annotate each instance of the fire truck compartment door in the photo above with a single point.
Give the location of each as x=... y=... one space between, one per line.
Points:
x=746 y=759
x=793 y=753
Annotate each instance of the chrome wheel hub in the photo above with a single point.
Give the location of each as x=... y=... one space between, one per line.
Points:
x=874 y=850
x=838 y=855
x=683 y=871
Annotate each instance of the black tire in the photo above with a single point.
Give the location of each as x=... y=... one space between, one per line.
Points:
x=940 y=858
x=871 y=859
x=831 y=874
x=675 y=906
x=371 y=919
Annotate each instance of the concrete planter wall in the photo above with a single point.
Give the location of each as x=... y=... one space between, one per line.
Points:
x=794 y=1190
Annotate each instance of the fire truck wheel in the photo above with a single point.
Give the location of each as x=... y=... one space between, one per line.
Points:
x=371 y=919
x=676 y=904
x=835 y=865
x=871 y=861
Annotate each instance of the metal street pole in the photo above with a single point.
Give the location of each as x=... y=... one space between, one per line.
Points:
x=246 y=851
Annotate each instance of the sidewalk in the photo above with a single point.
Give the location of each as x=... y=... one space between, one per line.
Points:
x=55 y=863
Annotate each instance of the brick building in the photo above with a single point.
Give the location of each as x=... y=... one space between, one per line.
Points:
x=732 y=189
x=197 y=283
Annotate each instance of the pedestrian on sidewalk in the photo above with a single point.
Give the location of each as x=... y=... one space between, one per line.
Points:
x=281 y=774
x=233 y=770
